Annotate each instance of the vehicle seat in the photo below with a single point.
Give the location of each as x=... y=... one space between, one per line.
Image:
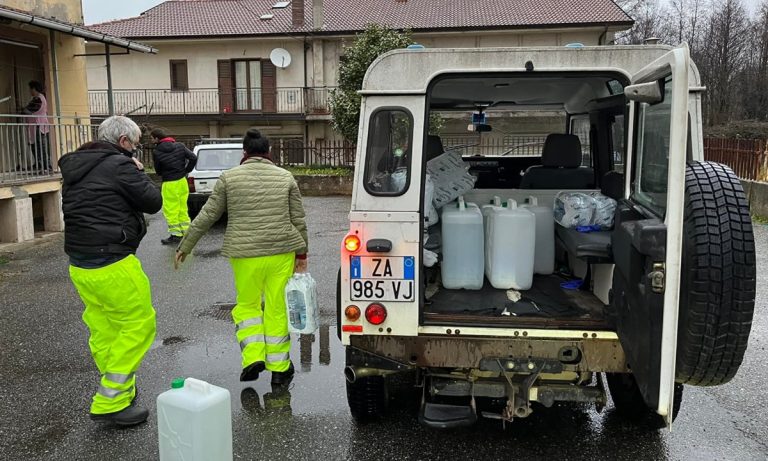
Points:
x=434 y=147
x=594 y=247
x=560 y=166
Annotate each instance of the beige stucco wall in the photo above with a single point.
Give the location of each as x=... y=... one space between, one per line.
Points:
x=145 y=71
x=65 y=10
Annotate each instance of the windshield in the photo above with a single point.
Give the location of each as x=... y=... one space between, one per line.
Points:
x=218 y=159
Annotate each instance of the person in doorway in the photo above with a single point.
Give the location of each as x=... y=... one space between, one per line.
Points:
x=105 y=195
x=266 y=241
x=38 y=126
x=173 y=162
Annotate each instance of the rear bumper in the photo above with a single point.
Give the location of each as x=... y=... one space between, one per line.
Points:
x=489 y=354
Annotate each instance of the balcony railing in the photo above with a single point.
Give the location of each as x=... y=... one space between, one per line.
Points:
x=202 y=101
x=29 y=151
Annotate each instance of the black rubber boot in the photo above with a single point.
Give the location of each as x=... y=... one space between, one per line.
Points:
x=251 y=372
x=130 y=416
x=171 y=240
x=283 y=378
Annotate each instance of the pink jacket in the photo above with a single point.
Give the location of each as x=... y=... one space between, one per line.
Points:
x=38 y=119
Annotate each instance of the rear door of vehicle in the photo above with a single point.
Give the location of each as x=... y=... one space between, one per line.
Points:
x=647 y=241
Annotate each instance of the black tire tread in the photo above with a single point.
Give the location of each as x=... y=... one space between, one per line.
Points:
x=367 y=398
x=718 y=279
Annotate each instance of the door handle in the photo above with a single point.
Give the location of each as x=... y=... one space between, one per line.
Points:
x=379 y=246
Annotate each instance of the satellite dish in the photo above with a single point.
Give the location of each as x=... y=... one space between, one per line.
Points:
x=280 y=58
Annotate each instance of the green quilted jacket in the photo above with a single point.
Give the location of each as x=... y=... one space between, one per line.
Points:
x=265 y=215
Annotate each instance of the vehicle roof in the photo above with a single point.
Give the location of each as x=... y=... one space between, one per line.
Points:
x=219 y=146
x=416 y=68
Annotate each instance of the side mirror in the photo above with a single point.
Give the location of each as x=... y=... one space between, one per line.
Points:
x=651 y=92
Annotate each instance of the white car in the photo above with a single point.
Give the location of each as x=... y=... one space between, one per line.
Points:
x=212 y=160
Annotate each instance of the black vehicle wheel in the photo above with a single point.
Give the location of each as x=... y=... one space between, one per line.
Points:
x=717 y=295
x=629 y=401
x=194 y=209
x=338 y=304
x=368 y=398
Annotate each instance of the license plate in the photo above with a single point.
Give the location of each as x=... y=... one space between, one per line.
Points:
x=374 y=278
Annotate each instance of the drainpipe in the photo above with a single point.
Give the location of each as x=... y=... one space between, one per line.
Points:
x=110 y=93
x=306 y=93
x=55 y=63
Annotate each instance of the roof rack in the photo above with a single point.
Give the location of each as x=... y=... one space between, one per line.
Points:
x=219 y=141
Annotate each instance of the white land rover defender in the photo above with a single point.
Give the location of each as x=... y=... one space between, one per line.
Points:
x=662 y=298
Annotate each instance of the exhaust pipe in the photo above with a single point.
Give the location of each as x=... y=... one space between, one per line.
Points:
x=352 y=374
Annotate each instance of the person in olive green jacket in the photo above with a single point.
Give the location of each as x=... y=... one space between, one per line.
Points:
x=266 y=241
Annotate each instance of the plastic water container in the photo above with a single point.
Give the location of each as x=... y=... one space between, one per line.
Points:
x=463 y=236
x=301 y=301
x=487 y=209
x=510 y=241
x=544 y=259
x=194 y=422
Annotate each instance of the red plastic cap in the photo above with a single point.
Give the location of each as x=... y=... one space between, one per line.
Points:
x=376 y=314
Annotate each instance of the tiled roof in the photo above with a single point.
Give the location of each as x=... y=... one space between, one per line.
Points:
x=208 y=18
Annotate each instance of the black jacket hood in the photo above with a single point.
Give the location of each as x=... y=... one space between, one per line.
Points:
x=76 y=165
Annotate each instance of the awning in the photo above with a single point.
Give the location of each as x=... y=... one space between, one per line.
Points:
x=73 y=29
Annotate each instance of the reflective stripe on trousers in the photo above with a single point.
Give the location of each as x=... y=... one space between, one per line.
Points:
x=121 y=321
x=175 y=195
x=263 y=334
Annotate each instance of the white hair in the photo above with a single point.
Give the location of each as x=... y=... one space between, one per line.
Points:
x=113 y=128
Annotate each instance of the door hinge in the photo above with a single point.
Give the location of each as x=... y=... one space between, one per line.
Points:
x=658 y=277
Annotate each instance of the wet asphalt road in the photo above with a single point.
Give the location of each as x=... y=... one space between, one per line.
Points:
x=46 y=377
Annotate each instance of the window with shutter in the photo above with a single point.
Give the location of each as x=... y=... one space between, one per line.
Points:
x=179 y=75
x=268 y=87
x=226 y=86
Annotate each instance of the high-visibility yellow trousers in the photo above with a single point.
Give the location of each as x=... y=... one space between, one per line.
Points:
x=175 y=195
x=263 y=334
x=121 y=319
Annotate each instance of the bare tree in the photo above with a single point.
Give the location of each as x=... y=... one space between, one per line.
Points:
x=722 y=58
x=650 y=21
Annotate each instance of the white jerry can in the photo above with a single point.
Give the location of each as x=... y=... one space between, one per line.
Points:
x=510 y=242
x=463 y=248
x=544 y=259
x=194 y=422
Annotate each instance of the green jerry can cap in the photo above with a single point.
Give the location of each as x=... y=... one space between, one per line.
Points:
x=177 y=383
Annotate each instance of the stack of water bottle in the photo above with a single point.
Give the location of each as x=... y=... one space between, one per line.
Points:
x=504 y=242
x=587 y=211
x=301 y=300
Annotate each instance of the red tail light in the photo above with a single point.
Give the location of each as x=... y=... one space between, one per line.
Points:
x=191 y=182
x=376 y=314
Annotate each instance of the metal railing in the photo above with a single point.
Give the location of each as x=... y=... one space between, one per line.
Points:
x=29 y=151
x=509 y=146
x=201 y=101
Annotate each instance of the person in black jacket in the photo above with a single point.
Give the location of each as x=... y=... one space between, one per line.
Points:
x=173 y=161
x=105 y=195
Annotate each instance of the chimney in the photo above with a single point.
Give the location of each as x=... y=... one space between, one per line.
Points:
x=297 y=13
x=318 y=15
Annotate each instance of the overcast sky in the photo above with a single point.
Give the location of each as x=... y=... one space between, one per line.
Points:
x=105 y=10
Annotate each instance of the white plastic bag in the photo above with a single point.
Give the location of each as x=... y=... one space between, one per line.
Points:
x=574 y=209
x=451 y=178
x=605 y=210
x=301 y=302
x=430 y=212
x=430 y=258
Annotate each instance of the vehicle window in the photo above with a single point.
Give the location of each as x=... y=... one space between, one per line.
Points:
x=388 y=159
x=218 y=159
x=618 y=143
x=652 y=153
x=581 y=127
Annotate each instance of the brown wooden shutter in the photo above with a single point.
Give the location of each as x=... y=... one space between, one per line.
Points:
x=268 y=87
x=226 y=86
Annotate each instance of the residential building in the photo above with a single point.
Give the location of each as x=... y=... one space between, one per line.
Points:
x=42 y=41
x=226 y=65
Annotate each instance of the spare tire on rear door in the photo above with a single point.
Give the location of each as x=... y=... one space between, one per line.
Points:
x=717 y=292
